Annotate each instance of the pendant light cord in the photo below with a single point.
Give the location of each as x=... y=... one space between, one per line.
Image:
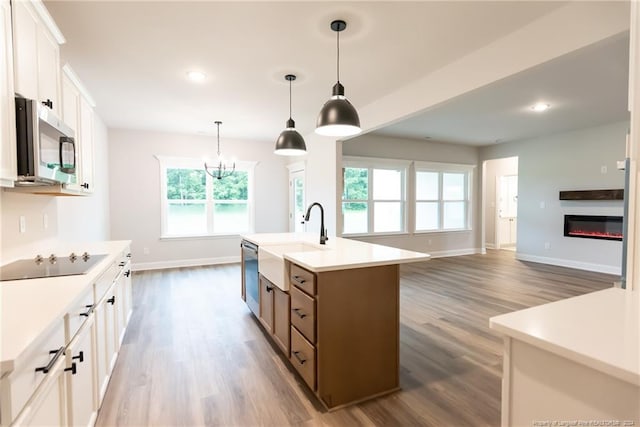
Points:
x=290 y=100
x=338 y=61
x=218 y=140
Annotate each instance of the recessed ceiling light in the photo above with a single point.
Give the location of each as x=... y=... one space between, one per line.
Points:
x=540 y=107
x=196 y=76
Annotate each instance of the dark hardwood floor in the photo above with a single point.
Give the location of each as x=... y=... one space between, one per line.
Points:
x=194 y=355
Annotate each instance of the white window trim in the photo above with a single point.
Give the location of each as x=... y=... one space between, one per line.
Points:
x=195 y=163
x=378 y=163
x=441 y=168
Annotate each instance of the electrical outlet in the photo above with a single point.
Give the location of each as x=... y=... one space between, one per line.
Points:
x=45 y=221
x=23 y=224
x=145 y=250
x=542 y=205
x=547 y=245
x=603 y=169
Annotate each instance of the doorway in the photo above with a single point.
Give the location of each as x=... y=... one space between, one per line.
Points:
x=501 y=203
x=296 y=200
x=507 y=215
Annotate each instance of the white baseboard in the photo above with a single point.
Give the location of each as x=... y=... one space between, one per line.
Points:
x=159 y=265
x=600 y=268
x=456 y=252
x=489 y=246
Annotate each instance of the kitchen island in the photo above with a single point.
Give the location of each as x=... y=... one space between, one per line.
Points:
x=332 y=309
x=574 y=361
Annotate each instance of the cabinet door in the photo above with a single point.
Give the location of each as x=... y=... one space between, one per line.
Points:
x=7 y=106
x=127 y=302
x=266 y=303
x=81 y=385
x=105 y=339
x=48 y=68
x=70 y=104
x=281 y=319
x=47 y=406
x=25 y=53
x=85 y=135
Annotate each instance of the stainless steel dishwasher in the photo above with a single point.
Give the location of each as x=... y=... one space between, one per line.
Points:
x=250 y=265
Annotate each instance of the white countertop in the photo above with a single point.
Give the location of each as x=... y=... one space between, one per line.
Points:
x=30 y=306
x=337 y=253
x=600 y=330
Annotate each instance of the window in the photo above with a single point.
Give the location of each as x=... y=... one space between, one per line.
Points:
x=373 y=199
x=195 y=204
x=442 y=197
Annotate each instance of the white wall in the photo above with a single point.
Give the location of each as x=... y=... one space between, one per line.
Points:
x=437 y=243
x=70 y=218
x=135 y=195
x=567 y=161
x=493 y=169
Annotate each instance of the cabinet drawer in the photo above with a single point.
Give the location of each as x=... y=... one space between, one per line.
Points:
x=78 y=314
x=24 y=380
x=303 y=313
x=105 y=281
x=303 y=279
x=303 y=358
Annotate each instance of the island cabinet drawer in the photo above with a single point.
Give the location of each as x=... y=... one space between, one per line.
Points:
x=303 y=313
x=303 y=279
x=31 y=368
x=303 y=358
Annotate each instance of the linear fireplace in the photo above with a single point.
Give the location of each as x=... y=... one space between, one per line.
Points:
x=593 y=227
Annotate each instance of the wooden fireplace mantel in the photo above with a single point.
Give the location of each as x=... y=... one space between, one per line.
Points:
x=617 y=194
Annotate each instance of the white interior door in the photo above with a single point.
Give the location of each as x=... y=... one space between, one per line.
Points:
x=296 y=201
x=507 y=191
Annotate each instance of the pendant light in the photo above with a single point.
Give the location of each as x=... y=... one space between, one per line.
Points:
x=290 y=142
x=338 y=117
x=222 y=169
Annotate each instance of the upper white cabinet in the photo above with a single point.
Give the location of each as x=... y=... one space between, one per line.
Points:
x=77 y=112
x=36 y=53
x=7 y=106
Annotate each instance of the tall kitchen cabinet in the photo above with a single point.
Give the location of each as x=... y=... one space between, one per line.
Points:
x=7 y=108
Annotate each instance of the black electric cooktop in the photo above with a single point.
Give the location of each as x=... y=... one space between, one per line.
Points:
x=53 y=266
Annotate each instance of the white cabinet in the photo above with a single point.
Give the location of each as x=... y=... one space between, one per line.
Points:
x=7 y=106
x=25 y=49
x=113 y=292
x=31 y=390
x=81 y=378
x=61 y=377
x=77 y=113
x=47 y=404
x=36 y=54
x=85 y=134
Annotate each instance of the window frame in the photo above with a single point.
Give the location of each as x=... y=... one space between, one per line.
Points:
x=370 y=164
x=168 y=162
x=441 y=169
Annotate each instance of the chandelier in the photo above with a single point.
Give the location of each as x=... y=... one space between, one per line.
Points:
x=221 y=169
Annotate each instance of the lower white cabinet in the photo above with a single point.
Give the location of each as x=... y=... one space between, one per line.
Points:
x=106 y=351
x=81 y=377
x=62 y=378
x=46 y=406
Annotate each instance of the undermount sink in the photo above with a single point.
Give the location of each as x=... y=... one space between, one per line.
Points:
x=271 y=260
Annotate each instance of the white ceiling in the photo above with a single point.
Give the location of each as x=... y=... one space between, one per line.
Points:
x=587 y=87
x=133 y=56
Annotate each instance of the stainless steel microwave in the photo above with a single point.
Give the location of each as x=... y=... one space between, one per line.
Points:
x=46 y=146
